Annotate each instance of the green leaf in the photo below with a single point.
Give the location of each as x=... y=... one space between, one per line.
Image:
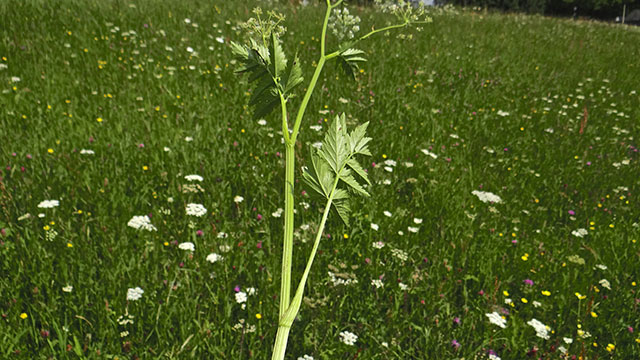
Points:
x=319 y=176
x=343 y=210
x=355 y=166
x=279 y=62
x=334 y=147
x=353 y=183
x=349 y=59
x=294 y=77
x=255 y=60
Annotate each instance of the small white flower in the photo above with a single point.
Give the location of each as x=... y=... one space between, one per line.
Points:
x=494 y=357
x=601 y=267
x=15 y=79
x=562 y=349
x=536 y=303
x=315 y=127
x=378 y=244
x=503 y=113
x=86 y=152
x=377 y=283
x=375 y=226
x=222 y=235
x=388 y=169
x=403 y=286
x=348 y=338
x=317 y=145
x=238 y=199
x=387 y=182
x=187 y=21
x=305 y=357
x=187 y=246
x=277 y=213
x=67 y=288
x=387 y=213
x=567 y=340
x=485 y=196
x=167 y=149
x=241 y=297
x=134 y=294
x=413 y=229
x=141 y=222
x=605 y=284
x=580 y=233
x=48 y=204
x=213 y=258
x=40 y=215
x=429 y=153
x=262 y=122
x=251 y=291
x=417 y=221
x=3 y=66
x=196 y=210
x=188 y=139
x=541 y=329
x=496 y=319
x=220 y=39
x=194 y=178
x=407 y=164
x=390 y=162
x=189 y=49
x=224 y=248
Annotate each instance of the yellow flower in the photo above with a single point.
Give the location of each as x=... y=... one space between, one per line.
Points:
x=69 y=245
x=145 y=167
x=24 y=316
x=99 y=119
x=546 y=292
x=524 y=300
x=346 y=236
x=384 y=156
x=580 y=296
x=506 y=293
x=46 y=228
x=258 y=316
x=610 y=347
x=633 y=283
x=166 y=243
x=593 y=314
x=50 y=151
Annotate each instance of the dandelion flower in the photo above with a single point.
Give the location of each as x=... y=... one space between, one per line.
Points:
x=134 y=294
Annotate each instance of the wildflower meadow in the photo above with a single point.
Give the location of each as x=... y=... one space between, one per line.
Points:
x=141 y=198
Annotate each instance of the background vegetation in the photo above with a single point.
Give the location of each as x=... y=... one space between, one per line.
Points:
x=541 y=112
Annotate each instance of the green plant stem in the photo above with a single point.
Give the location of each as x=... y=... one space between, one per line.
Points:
x=287 y=246
x=386 y=28
x=280 y=346
x=286 y=319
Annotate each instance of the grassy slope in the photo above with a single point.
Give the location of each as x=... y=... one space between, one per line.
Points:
x=452 y=78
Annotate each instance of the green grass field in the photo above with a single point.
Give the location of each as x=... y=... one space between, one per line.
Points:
x=106 y=106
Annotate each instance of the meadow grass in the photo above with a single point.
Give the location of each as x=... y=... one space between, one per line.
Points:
x=542 y=112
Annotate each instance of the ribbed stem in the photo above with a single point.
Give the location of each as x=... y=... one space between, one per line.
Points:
x=280 y=347
x=287 y=246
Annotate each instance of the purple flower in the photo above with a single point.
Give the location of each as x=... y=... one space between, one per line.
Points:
x=199 y=233
x=571 y=212
x=528 y=282
x=456 y=320
x=455 y=344
x=237 y=288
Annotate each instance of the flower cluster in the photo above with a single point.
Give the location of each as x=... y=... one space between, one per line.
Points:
x=344 y=25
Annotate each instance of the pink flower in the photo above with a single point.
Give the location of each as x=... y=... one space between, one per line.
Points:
x=199 y=233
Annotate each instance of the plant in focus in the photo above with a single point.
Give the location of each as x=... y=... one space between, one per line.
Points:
x=334 y=172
